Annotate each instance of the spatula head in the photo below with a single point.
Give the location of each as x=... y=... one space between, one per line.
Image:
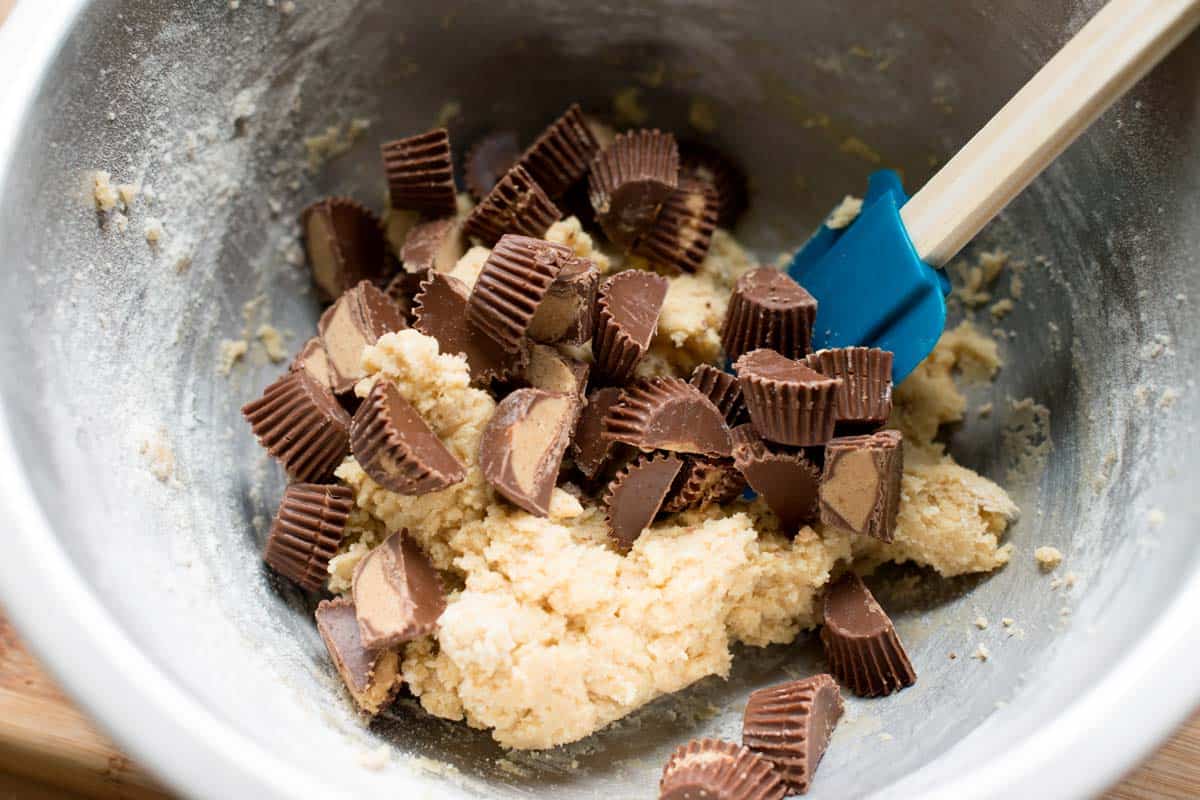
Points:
x=872 y=289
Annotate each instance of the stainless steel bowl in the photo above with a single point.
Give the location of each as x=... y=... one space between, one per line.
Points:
x=146 y=596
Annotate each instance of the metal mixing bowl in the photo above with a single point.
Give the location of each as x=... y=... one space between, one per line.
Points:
x=146 y=596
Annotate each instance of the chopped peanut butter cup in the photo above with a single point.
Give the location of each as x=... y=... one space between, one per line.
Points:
x=307 y=532
x=567 y=314
x=627 y=309
x=865 y=397
x=787 y=481
x=701 y=162
x=708 y=769
x=344 y=243
x=864 y=652
x=522 y=446
x=590 y=448
x=860 y=486
x=436 y=245
x=770 y=310
x=636 y=495
x=397 y=593
x=441 y=312
x=358 y=318
x=553 y=371
x=514 y=205
x=722 y=388
x=630 y=180
x=703 y=482
x=681 y=234
x=300 y=424
x=420 y=173
x=561 y=154
x=488 y=159
x=397 y=449
x=790 y=725
x=312 y=359
x=511 y=285
x=371 y=676
x=668 y=414
x=789 y=402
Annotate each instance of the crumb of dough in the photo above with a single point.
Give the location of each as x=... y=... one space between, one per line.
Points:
x=1168 y=398
x=103 y=192
x=1001 y=308
x=981 y=623
x=1008 y=622
x=231 y=352
x=976 y=279
x=984 y=410
x=273 y=342
x=128 y=193
x=154 y=231
x=702 y=115
x=450 y=110
x=854 y=146
x=1156 y=517
x=981 y=653
x=467 y=268
x=160 y=458
x=1048 y=558
x=628 y=108
x=287 y=7
x=333 y=141
x=119 y=221
x=1026 y=438
x=570 y=232
x=375 y=759
x=846 y=212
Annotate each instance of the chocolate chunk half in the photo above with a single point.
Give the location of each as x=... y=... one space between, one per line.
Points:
x=790 y=725
x=636 y=495
x=864 y=652
x=865 y=396
x=344 y=243
x=301 y=425
x=517 y=204
x=860 y=487
x=567 y=313
x=708 y=769
x=591 y=449
x=307 y=532
x=488 y=159
x=700 y=162
x=371 y=676
x=397 y=593
x=561 y=154
x=554 y=371
x=357 y=319
x=722 y=388
x=770 y=310
x=420 y=173
x=789 y=402
x=436 y=245
x=705 y=481
x=440 y=311
x=397 y=449
x=668 y=414
x=788 y=482
x=522 y=446
x=682 y=232
x=312 y=359
x=627 y=309
x=630 y=180
x=511 y=285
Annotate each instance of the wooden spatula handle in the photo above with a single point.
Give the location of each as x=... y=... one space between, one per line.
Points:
x=1116 y=48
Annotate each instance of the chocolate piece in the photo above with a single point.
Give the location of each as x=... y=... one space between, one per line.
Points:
x=701 y=162
x=420 y=173
x=668 y=414
x=371 y=676
x=511 y=285
x=345 y=245
x=627 y=309
x=441 y=312
x=522 y=446
x=788 y=481
x=397 y=593
x=864 y=652
x=397 y=449
x=708 y=769
x=768 y=309
x=680 y=236
x=790 y=725
x=636 y=495
x=860 y=487
x=436 y=245
x=307 y=531
x=299 y=422
x=488 y=160
x=357 y=319
x=865 y=396
x=514 y=205
x=703 y=482
x=561 y=154
x=630 y=180
x=722 y=388
x=313 y=360
x=591 y=449
x=789 y=403
x=552 y=371
x=567 y=314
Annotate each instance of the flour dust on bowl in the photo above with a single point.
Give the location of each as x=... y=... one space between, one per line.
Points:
x=139 y=501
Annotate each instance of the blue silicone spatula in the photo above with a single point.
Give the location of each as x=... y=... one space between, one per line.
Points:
x=879 y=282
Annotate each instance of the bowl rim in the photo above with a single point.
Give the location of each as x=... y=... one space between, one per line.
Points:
x=198 y=754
